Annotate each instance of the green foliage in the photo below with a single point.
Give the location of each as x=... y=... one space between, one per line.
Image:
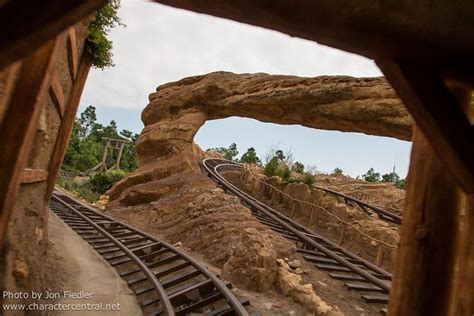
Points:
x=229 y=153
x=308 y=179
x=97 y=44
x=401 y=184
x=390 y=177
x=337 y=171
x=371 y=176
x=271 y=167
x=86 y=147
x=298 y=167
x=279 y=168
x=250 y=156
x=82 y=188
x=103 y=181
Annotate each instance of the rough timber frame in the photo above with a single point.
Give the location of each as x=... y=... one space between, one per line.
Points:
x=418 y=44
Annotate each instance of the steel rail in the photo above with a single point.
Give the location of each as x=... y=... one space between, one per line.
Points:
x=149 y=274
x=309 y=231
x=383 y=214
x=234 y=303
x=303 y=238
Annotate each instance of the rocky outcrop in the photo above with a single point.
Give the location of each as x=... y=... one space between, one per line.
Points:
x=168 y=195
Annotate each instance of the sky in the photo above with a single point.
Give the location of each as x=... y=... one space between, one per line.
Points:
x=161 y=44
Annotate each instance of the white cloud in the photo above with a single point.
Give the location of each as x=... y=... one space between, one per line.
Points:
x=162 y=44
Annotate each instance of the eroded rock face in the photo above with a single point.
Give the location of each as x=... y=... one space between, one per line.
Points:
x=168 y=195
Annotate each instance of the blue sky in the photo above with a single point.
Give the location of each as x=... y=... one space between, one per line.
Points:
x=162 y=44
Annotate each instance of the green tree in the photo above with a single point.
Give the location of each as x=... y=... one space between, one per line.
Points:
x=401 y=184
x=271 y=167
x=390 y=177
x=280 y=155
x=229 y=153
x=371 y=176
x=250 y=156
x=298 y=167
x=337 y=171
x=86 y=121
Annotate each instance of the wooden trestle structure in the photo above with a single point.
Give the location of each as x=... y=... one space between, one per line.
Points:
x=424 y=48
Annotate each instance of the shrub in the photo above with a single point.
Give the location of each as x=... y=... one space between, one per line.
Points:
x=298 y=167
x=308 y=179
x=337 y=171
x=103 y=181
x=284 y=173
x=271 y=167
x=401 y=184
x=371 y=176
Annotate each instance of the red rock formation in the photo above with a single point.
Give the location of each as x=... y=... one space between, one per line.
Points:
x=168 y=195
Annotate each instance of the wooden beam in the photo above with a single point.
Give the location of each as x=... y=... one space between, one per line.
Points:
x=72 y=52
x=33 y=175
x=19 y=125
x=438 y=114
x=67 y=122
x=419 y=29
x=462 y=300
x=57 y=95
x=28 y=24
x=422 y=279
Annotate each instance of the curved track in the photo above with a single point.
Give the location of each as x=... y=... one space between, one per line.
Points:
x=366 y=207
x=165 y=280
x=358 y=274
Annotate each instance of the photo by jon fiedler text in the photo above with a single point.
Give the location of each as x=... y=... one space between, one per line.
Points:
x=54 y=301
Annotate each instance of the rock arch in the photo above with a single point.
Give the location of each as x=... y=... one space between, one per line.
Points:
x=178 y=109
x=167 y=194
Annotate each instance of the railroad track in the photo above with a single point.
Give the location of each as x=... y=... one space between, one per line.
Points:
x=165 y=280
x=366 y=207
x=357 y=273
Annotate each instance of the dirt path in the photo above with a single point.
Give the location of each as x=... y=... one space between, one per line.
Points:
x=74 y=266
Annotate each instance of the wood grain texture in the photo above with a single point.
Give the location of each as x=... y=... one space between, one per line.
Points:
x=33 y=175
x=422 y=279
x=57 y=95
x=67 y=122
x=32 y=23
x=72 y=52
x=20 y=122
x=438 y=114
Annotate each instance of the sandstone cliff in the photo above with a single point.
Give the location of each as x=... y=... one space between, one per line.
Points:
x=169 y=196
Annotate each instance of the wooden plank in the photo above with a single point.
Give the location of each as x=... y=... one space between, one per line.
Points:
x=28 y=24
x=438 y=114
x=67 y=122
x=72 y=52
x=57 y=95
x=425 y=266
x=405 y=28
x=33 y=175
x=19 y=127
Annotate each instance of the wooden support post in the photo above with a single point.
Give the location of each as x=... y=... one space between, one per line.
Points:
x=462 y=298
x=19 y=124
x=343 y=234
x=311 y=215
x=117 y=165
x=424 y=270
x=293 y=210
x=379 y=259
x=438 y=114
x=67 y=122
